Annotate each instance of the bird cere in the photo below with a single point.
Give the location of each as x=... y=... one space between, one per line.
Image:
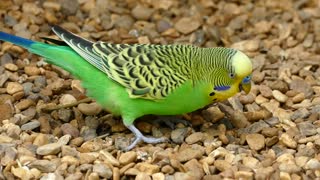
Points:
x=135 y=80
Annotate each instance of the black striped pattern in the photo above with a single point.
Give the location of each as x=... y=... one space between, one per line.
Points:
x=147 y=71
x=215 y=66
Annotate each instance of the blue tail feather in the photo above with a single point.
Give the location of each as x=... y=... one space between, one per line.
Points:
x=26 y=43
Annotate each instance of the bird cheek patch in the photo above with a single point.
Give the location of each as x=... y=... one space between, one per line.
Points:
x=221 y=88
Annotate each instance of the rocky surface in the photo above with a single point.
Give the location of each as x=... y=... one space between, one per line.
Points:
x=49 y=130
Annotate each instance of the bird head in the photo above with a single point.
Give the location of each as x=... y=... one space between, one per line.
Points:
x=231 y=74
x=226 y=72
x=243 y=69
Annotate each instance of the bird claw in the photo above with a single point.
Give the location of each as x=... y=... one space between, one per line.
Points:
x=150 y=140
x=140 y=137
x=153 y=140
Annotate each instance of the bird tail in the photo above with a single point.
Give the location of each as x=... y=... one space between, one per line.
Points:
x=26 y=43
x=62 y=56
x=68 y=59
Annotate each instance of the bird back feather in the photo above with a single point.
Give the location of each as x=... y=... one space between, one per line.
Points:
x=146 y=71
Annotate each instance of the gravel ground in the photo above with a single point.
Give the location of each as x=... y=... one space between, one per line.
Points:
x=50 y=130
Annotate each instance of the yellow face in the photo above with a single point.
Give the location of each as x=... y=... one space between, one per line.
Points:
x=223 y=93
x=243 y=70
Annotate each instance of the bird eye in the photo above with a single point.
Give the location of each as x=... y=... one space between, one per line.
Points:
x=231 y=75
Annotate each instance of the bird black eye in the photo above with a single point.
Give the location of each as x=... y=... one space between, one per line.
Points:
x=231 y=75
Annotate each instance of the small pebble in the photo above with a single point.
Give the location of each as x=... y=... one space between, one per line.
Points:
x=167 y=169
x=49 y=149
x=67 y=99
x=24 y=104
x=181 y=175
x=142 y=176
x=14 y=87
x=244 y=175
x=298 y=98
x=90 y=109
x=64 y=140
x=91 y=146
x=11 y=67
x=222 y=165
x=147 y=168
x=65 y=114
x=301 y=86
x=255 y=141
x=103 y=170
x=72 y=161
x=127 y=157
x=301 y=161
x=158 y=176
x=44 y=165
x=265 y=91
x=279 y=96
x=213 y=114
x=195 y=168
x=178 y=135
x=313 y=164
x=141 y=12
x=187 y=25
x=69 y=151
x=31 y=70
x=6 y=111
x=307 y=129
x=21 y=173
x=247 y=45
x=69 y=129
x=272 y=141
x=188 y=154
x=88 y=158
x=194 y=138
x=251 y=162
x=30 y=125
x=288 y=141
x=107 y=157
x=270 y=131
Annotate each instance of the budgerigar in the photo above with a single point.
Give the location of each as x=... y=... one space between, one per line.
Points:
x=132 y=80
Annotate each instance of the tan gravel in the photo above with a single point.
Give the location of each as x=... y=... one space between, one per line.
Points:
x=50 y=130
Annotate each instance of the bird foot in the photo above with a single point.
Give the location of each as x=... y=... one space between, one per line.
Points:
x=140 y=137
x=171 y=121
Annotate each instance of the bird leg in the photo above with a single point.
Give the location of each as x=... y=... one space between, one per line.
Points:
x=140 y=137
x=170 y=121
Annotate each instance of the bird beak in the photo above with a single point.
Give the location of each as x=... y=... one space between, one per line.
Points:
x=245 y=87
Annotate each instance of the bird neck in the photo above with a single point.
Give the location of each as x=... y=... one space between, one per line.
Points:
x=208 y=63
x=199 y=71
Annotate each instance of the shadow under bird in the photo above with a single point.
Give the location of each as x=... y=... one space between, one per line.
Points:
x=132 y=80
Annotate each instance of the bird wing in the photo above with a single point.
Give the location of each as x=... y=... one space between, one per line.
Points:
x=146 y=71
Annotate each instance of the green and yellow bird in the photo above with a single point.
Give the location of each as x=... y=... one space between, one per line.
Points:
x=136 y=80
